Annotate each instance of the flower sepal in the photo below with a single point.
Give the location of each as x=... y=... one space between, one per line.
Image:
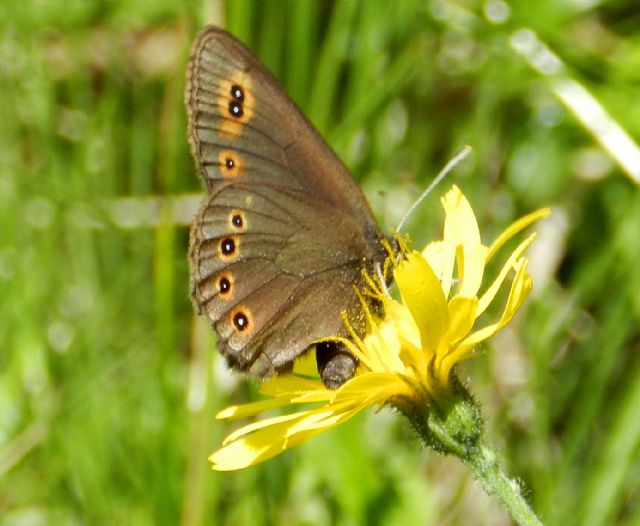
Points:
x=452 y=424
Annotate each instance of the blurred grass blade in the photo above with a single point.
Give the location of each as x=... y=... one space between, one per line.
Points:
x=584 y=106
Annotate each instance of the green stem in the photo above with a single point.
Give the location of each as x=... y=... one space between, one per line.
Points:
x=485 y=466
x=451 y=424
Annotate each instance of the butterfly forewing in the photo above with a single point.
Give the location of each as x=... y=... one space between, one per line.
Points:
x=285 y=233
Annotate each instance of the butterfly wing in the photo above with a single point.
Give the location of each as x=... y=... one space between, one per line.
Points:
x=285 y=232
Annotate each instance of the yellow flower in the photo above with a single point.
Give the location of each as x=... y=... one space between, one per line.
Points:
x=407 y=355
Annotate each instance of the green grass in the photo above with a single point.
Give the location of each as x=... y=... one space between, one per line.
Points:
x=108 y=383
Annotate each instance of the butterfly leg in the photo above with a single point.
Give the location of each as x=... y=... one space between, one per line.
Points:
x=335 y=363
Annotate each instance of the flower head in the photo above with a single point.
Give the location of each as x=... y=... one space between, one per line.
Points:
x=407 y=355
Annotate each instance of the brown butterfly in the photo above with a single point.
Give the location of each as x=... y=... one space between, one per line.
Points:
x=279 y=248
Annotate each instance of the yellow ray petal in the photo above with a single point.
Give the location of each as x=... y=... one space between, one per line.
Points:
x=460 y=225
x=471 y=271
x=462 y=316
x=441 y=257
x=234 y=412
x=289 y=384
x=259 y=441
x=281 y=421
x=516 y=227
x=306 y=365
x=490 y=293
x=422 y=294
x=519 y=291
x=244 y=453
x=270 y=440
x=372 y=387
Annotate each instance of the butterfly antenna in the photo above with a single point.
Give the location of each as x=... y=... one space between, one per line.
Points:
x=459 y=157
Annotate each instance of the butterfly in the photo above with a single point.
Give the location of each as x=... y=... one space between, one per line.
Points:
x=278 y=250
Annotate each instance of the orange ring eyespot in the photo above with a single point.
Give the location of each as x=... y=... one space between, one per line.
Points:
x=241 y=319
x=224 y=284
x=236 y=104
x=229 y=248
x=230 y=163
x=238 y=221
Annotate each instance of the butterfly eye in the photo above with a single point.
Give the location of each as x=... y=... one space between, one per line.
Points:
x=237 y=93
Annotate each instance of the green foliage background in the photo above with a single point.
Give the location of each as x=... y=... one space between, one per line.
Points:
x=108 y=383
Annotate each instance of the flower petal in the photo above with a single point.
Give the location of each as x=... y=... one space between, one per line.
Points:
x=288 y=384
x=516 y=227
x=421 y=293
x=262 y=440
x=271 y=422
x=234 y=412
x=519 y=291
x=372 y=388
x=460 y=225
x=441 y=258
x=272 y=438
x=462 y=316
x=306 y=364
x=471 y=269
x=382 y=344
x=490 y=293
x=245 y=453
